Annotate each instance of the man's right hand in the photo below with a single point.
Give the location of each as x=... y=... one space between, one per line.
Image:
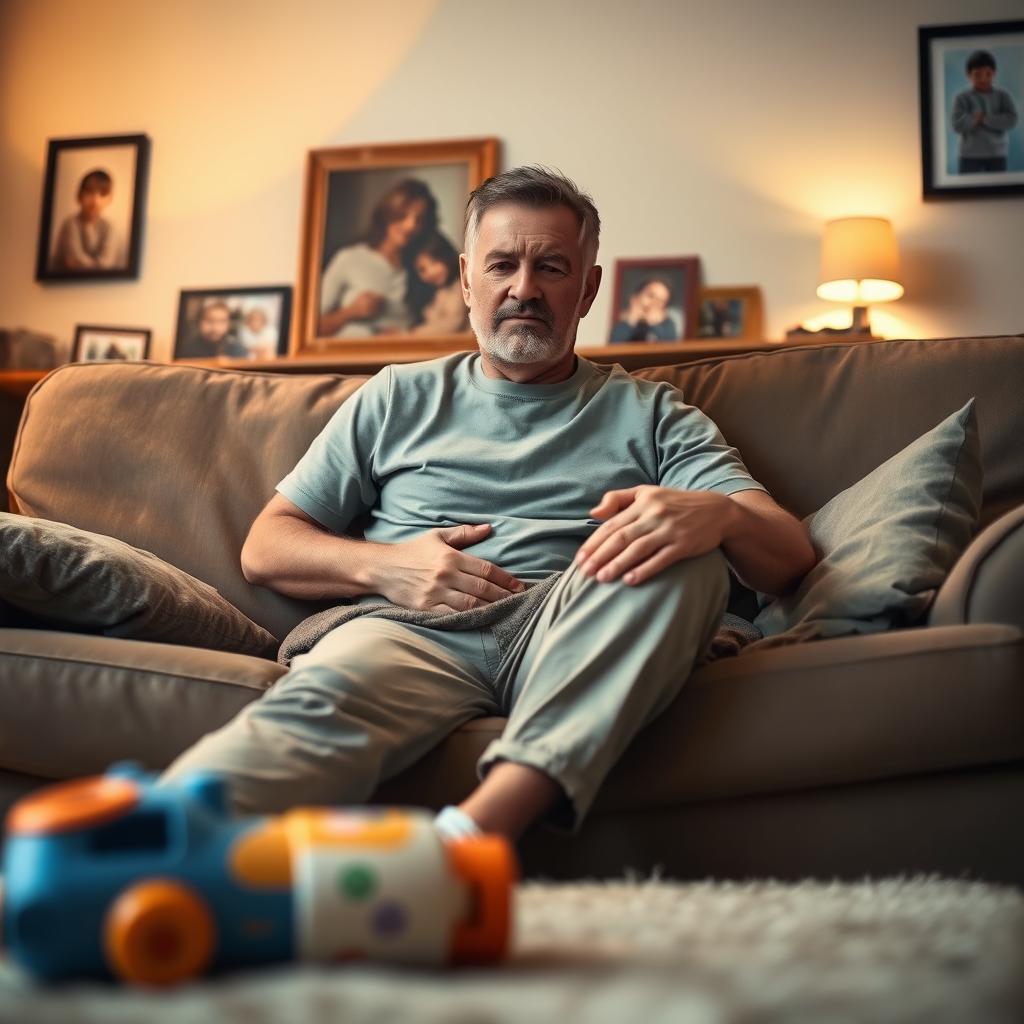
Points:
x=434 y=574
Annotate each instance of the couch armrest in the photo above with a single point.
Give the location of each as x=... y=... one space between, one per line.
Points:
x=987 y=583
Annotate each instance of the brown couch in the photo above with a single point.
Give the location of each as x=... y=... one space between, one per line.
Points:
x=861 y=755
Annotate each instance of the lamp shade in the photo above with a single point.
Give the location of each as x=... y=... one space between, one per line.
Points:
x=860 y=261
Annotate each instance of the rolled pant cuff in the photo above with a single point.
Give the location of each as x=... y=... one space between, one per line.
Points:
x=568 y=813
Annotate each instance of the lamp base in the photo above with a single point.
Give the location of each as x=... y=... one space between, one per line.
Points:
x=859 y=321
x=859 y=327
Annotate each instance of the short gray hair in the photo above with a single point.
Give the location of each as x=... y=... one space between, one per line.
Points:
x=539 y=187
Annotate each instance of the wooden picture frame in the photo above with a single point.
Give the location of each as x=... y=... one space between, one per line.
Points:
x=246 y=323
x=950 y=100
x=102 y=344
x=94 y=198
x=375 y=219
x=730 y=312
x=667 y=287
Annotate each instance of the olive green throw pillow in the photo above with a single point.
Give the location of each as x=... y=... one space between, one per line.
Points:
x=886 y=543
x=56 y=576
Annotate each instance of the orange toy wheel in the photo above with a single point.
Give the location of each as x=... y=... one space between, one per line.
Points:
x=488 y=867
x=158 y=932
x=80 y=803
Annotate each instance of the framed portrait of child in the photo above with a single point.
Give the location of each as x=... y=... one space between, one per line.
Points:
x=379 y=256
x=93 y=206
x=655 y=300
x=972 y=109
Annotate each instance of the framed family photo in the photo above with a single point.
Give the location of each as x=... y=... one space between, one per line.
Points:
x=655 y=300
x=972 y=92
x=96 y=344
x=94 y=198
x=382 y=233
x=730 y=312
x=233 y=323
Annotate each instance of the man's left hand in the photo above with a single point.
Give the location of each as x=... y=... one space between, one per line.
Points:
x=647 y=528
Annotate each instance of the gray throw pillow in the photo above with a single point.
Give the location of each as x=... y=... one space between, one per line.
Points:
x=887 y=542
x=66 y=578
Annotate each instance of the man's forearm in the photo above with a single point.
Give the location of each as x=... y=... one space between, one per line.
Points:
x=770 y=551
x=300 y=560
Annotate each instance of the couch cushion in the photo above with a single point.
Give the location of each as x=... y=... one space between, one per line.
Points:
x=836 y=711
x=886 y=543
x=73 y=578
x=70 y=704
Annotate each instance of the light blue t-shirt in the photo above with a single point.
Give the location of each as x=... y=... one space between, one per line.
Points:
x=438 y=443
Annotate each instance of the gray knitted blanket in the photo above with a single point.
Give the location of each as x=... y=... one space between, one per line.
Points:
x=505 y=617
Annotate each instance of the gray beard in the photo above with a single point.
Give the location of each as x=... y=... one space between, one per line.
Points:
x=515 y=346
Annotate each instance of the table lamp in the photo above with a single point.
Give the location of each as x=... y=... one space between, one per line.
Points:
x=860 y=264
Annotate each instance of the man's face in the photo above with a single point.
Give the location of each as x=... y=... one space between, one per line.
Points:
x=214 y=323
x=981 y=78
x=654 y=300
x=526 y=285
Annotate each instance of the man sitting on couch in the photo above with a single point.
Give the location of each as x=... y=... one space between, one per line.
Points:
x=545 y=539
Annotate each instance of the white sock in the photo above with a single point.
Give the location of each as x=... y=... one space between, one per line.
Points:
x=454 y=823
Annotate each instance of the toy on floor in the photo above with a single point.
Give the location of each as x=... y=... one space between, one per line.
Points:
x=113 y=876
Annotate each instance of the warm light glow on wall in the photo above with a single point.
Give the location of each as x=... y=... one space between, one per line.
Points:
x=227 y=134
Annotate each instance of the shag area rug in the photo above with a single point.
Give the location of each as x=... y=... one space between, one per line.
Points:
x=924 y=948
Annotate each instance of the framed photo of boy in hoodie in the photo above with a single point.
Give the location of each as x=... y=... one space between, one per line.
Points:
x=972 y=109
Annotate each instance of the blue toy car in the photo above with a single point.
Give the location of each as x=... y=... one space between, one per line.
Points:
x=114 y=876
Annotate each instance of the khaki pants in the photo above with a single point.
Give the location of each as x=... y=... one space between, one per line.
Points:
x=595 y=664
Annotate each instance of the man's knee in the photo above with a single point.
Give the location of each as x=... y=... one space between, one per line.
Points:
x=706 y=575
x=709 y=571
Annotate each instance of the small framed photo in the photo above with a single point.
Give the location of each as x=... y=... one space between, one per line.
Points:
x=730 y=312
x=382 y=233
x=233 y=323
x=95 y=344
x=655 y=300
x=972 y=121
x=94 y=199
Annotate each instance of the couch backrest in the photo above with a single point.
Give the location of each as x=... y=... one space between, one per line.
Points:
x=811 y=421
x=179 y=460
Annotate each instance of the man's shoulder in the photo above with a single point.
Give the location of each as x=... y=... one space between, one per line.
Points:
x=618 y=380
x=430 y=371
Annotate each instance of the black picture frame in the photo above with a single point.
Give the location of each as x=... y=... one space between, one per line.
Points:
x=80 y=351
x=240 y=301
x=50 y=266
x=937 y=181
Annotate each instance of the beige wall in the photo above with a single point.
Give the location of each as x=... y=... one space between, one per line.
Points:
x=731 y=130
